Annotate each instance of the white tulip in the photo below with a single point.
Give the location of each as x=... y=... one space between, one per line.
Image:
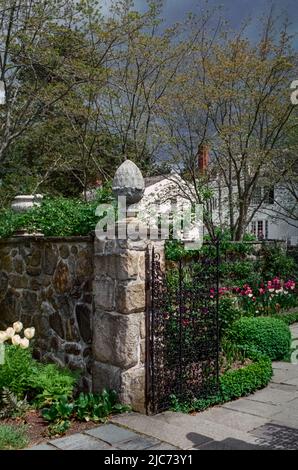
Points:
x=24 y=343
x=29 y=332
x=10 y=332
x=17 y=326
x=3 y=336
x=16 y=339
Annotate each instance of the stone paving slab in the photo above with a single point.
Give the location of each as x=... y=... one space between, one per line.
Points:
x=287 y=417
x=284 y=365
x=231 y=444
x=181 y=430
x=43 y=447
x=284 y=375
x=200 y=425
x=292 y=381
x=80 y=442
x=164 y=446
x=277 y=436
x=264 y=410
x=234 y=419
x=147 y=425
x=273 y=396
x=111 y=434
x=138 y=443
x=285 y=387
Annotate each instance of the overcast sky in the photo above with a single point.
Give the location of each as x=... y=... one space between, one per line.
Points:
x=234 y=10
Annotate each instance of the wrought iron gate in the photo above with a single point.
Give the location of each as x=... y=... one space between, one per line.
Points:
x=182 y=329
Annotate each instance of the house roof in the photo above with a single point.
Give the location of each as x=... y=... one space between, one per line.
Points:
x=151 y=180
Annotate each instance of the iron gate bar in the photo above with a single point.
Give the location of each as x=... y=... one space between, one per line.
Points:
x=182 y=361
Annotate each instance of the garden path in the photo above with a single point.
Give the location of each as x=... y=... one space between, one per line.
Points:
x=266 y=419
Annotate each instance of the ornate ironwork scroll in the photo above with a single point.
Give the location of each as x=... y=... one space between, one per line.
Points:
x=183 y=329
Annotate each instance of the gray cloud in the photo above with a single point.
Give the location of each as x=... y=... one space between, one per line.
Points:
x=236 y=11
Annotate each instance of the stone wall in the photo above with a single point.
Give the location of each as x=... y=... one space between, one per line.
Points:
x=47 y=283
x=119 y=320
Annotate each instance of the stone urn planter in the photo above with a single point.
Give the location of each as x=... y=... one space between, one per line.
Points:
x=26 y=202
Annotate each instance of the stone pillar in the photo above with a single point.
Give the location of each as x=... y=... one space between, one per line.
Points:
x=119 y=321
x=120 y=301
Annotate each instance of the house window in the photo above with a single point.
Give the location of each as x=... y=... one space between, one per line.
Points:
x=266 y=229
x=260 y=230
x=257 y=196
x=254 y=228
x=214 y=203
x=265 y=194
x=269 y=194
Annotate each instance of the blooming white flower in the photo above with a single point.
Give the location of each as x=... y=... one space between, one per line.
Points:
x=24 y=343
x=17 y=326
x=10 y=332
x=16 y=339
x=29 y=332
x=3 y=336
x=249 y=295
x=286 y=292
x=271 y=290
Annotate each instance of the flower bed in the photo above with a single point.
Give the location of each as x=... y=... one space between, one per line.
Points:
x=48 y=392
x=265 y=299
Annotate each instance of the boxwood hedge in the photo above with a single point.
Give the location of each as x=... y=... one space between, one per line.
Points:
x=270 y=336
x=233 y=384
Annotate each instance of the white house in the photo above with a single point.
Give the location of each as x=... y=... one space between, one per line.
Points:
x=273 y=220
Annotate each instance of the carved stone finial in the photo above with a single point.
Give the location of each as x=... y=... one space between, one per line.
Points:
x=129 y=182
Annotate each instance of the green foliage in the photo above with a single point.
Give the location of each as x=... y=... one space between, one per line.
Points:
x=56 y=217
x=85 y=408
x=60 y=409
x=9 y=222
x=233 y=384
x=268 y=335
x=97 y=407
x=10 y=405
x=12 y=437
x=24 y=376
x=17 y=370
x=230 y=353
x=288 y=318
x=244 y=381
x=228 y=312
x=59 y=428
x=50 y=382
x=275 y=262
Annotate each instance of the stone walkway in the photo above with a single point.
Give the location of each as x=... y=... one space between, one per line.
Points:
x=266 y=419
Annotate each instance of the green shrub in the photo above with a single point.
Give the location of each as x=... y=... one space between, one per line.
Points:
x=57 y=216
x=275 y=262
x=12 y=437
x=23 y=375
x=50 y=382
x=232 y=384
x=270 y=336
x=85 y=408
x=227 y=312
x=244 y=381
x=17 y=370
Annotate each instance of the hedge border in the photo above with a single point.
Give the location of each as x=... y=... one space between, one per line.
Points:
x=233 y=384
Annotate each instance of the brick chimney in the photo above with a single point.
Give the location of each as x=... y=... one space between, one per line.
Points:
x=203 y=158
